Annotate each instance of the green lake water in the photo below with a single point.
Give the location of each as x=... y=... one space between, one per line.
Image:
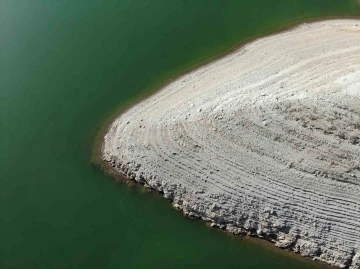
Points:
x=65 y=67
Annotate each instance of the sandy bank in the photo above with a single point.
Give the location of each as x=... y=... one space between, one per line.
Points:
x=265 y=141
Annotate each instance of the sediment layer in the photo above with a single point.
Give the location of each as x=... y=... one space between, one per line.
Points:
x=265 y=141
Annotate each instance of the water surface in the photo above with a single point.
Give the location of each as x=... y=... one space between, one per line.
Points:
x=65 y=66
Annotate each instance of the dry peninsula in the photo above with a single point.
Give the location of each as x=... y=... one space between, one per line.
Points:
x=264 y=141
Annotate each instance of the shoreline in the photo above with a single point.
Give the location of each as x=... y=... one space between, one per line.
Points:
x=109 y=169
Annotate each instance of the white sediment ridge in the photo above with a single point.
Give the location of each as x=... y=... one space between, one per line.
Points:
x=264 y=141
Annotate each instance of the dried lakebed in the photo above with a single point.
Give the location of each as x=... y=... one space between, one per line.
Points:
x=265 y=141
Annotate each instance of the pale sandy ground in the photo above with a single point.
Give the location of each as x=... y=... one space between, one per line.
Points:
x=263 y=141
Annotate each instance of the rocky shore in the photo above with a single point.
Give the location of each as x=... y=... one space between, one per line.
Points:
x=265 y=141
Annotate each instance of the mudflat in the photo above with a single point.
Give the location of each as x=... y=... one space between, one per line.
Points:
x=265 y=141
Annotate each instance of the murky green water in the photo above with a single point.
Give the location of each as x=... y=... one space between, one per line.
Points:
x=65 y=66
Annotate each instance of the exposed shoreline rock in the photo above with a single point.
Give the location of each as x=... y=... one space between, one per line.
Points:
x=264 y=141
